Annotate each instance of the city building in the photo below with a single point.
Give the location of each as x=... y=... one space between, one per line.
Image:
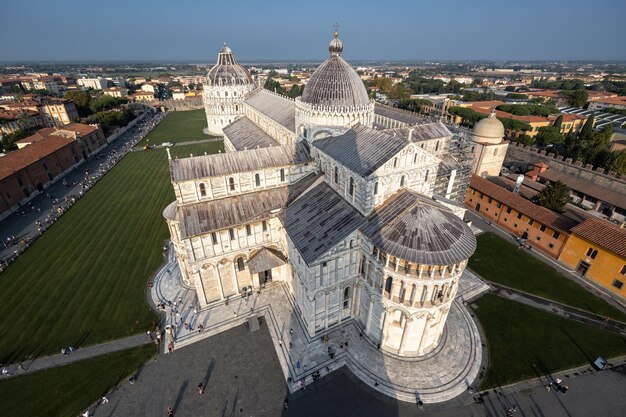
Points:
x=116 y=92
x=596 y=249
x=142 y=96
x=540 y=227
x=52 y=110
x=310 y=194
x=489 y=146
x=94 y=83
x=19 y=120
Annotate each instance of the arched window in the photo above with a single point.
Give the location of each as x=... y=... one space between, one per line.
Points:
x=413 y=293
x=395 y=162
x=282 y=175
x=376 y=188
x=415 y=158
x=402 y=292
x=237 y=107
x=426 y=176
x=423 y=297
x=351 y=187
x=336 y=176
x=351 y=243
x=257 y=180
x=346 y=297
x=437 y=146
x=434 y=296
x=231 y=184
x=240 y=264
x=495 y=152
x=388 y=284
x=402 y=181
x=225 y=93
x=202 y=190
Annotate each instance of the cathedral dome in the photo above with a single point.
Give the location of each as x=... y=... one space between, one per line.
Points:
x=227 y=71
x=335 y=83
x=489 y=130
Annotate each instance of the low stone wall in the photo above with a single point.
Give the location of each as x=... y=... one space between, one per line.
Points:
x=178 y=105
x=520 y=155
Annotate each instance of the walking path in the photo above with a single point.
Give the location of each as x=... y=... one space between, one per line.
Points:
x=189 y=142
x=440 y=376
x=559 y=309
x=80 y=354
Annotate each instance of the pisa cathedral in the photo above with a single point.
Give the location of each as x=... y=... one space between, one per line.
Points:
x=339 y=199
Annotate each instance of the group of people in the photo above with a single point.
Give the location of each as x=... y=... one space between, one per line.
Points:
x=59 y=207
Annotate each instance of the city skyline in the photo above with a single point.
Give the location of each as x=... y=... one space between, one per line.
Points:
x=459 y=31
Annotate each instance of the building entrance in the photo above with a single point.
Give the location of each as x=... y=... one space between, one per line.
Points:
x=265 y=277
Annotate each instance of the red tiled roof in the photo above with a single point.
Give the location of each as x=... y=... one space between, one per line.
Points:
x=603 y=234
x=521 y=205
x=28 y=155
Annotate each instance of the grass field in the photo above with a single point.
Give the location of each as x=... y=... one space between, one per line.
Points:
x=178 y=126
x=525 y=342
x=69 y=390
x=84 y=280
x=499 y=261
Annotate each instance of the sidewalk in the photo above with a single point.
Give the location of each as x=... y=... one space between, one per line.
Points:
x=79 y=354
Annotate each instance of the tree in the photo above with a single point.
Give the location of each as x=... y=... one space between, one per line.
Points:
x=558 y=122
x=554 y=196
x=509 y=88
x=617 y=162
x=587 y=127
x=106 y=102
x=81 y=100
x=8 y=140
x=528 y=109
x=525 y=140
x=578 y=98
x=517 y=96
x=274 y=86
x=549 y=135
x=514 y=124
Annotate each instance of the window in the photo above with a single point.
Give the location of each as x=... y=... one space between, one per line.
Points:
x=481 y=195
x=426 y=179
x=508 y=210
x=515 y=226
x=498 y=204
x=45 y=166
x=402 y=181
x=623 y=271
x=530 y=221
x=231 y=232
x=489 y=200
x=415 y=158
x=240 y=264
x=282 y=175
x=214 y=238
x=336 y=175
x=231 y=184
x=495 y=152
x=388 y=283
x=351 y=187
x=437 y=146
x=395 y=162
x=202 y=190
x=264 y=223
x=618 y=284
x=324 y=264
x=556 y=235
x=551 y=245
x=592 y=253
x=351 y=243
x=519 y=216
x=346 y=297
x=538 y=238
x=248 y=230
x=257 y=180
x=542 y=227
x=20 y=182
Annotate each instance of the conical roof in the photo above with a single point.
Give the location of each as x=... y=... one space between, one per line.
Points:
x=335 y=83
x=227 y=71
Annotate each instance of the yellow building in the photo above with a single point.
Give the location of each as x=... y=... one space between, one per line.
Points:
x=596 y=249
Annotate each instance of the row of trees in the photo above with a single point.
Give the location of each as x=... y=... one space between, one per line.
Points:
x=528 y=109
x=273 y=85
x=558 y=85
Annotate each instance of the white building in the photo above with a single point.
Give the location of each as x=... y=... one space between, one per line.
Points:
x=311 y=195
x=95 y=83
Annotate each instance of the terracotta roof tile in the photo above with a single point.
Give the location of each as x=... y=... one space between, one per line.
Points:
x=604 y=234
x=28 y=155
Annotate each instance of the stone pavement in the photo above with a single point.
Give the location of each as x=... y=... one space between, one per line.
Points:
x=444 y=374
x=45 y=362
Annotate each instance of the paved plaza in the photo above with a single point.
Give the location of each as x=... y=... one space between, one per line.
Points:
x=449 y=371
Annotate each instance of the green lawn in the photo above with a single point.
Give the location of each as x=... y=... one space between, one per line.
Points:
x=84 y=280
x=502 y=262
x=67 y=391
x=178 y=126
x=525 y=342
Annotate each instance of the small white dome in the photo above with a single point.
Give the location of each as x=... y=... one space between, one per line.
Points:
x=489 y=130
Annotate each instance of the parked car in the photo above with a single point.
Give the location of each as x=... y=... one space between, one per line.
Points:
x=167 y=144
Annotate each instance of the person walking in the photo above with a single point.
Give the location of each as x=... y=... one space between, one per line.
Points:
x=200 y=389
x=170 y=411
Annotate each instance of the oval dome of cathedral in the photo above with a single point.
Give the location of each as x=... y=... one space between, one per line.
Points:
x=335 y=83
x=489 y=129
x=227 y=71
x=420 y=230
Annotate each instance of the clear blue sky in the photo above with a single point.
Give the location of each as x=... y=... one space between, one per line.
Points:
x=291 y=30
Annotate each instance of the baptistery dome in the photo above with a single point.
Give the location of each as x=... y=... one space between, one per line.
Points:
x=227 y=71
x=335 y=83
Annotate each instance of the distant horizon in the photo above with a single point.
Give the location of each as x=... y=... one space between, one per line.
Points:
x=278 y=30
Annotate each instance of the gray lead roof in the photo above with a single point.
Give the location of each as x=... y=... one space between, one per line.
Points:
x=417 y=229
x=244 y=134
x=278 y=108
x=318 y=220
x=361 y=149
x=421 y=132
x=206 y=166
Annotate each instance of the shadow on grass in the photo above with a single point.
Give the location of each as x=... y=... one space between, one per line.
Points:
x=589 y=359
